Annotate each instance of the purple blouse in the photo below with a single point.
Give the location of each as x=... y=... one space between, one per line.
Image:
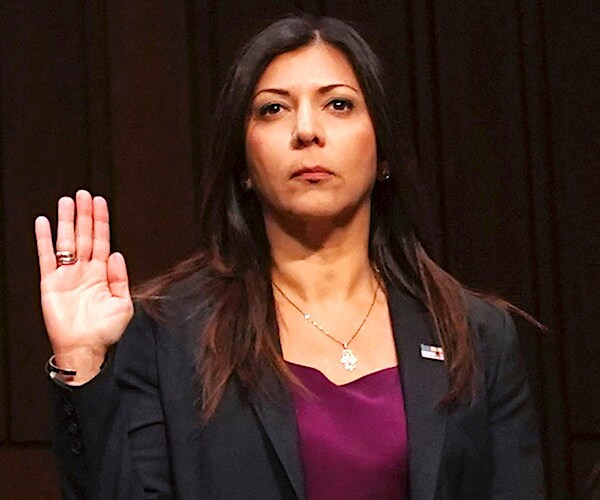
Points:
x=353 y=441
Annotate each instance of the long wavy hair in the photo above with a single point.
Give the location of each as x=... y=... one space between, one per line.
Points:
x=240 y=337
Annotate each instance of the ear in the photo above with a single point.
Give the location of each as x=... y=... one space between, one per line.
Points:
x=383 y=171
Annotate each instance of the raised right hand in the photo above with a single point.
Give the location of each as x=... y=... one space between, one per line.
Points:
x=86 y=305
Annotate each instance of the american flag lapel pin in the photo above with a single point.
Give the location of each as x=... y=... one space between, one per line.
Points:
x=432 y=352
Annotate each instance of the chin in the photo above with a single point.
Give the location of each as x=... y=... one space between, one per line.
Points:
x=326 y=213
x=319 y=208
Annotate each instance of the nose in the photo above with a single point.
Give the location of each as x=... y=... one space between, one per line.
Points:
x=307 y=129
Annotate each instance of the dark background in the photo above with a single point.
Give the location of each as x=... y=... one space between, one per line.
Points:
x=500 y=99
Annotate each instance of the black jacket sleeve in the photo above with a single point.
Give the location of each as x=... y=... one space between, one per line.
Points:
x=110 y=437
x=517 y=464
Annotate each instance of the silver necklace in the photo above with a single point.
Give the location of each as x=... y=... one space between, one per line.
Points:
x=348 y=358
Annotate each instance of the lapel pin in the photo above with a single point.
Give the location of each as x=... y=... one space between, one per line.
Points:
x=432 y=352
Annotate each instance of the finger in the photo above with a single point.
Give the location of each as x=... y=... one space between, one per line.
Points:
x=84 y=225
x=101 y=241
x=116 y=273
x=65 y=231
x=45 y=248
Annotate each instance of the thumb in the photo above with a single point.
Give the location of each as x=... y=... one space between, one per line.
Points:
x=116 y=273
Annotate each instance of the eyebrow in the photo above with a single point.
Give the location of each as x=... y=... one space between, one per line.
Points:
x=321 y=90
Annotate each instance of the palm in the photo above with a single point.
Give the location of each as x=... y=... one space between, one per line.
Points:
x=78 y=303
x=86 y=304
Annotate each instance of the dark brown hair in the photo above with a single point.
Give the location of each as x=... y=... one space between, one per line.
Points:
x=233 y=261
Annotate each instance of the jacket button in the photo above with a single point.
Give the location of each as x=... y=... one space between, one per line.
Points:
x=69 y=407
x=72 y=428
x=76 y=447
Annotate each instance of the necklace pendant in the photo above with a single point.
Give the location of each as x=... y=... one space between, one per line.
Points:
x=348 y=359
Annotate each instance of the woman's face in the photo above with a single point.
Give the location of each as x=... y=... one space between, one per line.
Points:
x=310 y=143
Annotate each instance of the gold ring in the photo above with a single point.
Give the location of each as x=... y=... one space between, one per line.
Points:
x=66 y=258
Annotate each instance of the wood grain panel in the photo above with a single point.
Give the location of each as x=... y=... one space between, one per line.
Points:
x=43 y=157
x=96 y=67
x=551 y=379
x=203 y=88
x=485 y=191
x=574 y=69
x=425 y=111
x=153 y=193
x=28 y=474
x=4 y=372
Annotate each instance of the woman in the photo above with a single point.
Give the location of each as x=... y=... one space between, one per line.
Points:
x=310 y=348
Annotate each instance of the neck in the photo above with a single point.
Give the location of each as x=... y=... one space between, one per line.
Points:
x=321 y=261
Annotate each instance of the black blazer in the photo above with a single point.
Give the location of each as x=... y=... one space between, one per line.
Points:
x=133 y=431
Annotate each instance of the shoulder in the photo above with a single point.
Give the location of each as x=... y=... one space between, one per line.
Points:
x=166 y=336
x=497 y=342
x=183 y=302
x=175 y=316
x=492 y=326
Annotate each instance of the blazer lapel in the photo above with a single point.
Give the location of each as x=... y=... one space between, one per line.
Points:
x=424 y=383
x=278 y=419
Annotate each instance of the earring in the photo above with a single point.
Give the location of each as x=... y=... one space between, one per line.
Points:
x=385 y=174
x=245 y=181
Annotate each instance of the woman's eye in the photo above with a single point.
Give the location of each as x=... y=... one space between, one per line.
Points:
x=270 y=109
x=341 y=104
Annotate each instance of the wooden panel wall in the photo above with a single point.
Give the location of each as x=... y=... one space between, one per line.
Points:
x=499 y=99
x=573 y=76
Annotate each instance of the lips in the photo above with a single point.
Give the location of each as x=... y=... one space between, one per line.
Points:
x=312 y=173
